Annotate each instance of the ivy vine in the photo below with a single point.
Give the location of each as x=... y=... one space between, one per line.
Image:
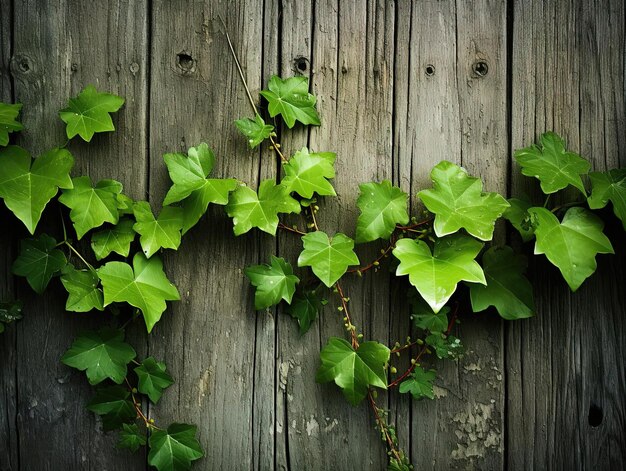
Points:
x=448 y=244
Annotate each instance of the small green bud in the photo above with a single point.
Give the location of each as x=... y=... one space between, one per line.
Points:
x=393 y=370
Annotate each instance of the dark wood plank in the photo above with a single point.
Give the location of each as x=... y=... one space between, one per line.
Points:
x=208 y=339
x=444 y=110
x=8 y=388
x=60 y=47
x=566 y=388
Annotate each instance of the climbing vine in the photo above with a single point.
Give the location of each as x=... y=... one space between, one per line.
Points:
x=447 y=245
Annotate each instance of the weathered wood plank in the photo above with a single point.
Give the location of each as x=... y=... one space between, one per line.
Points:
x=566 y=387
x=207 y=339
x=9 y=452
x=444 y=110
x=60 y=47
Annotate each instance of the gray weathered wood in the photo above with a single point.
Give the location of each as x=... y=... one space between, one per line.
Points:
x=567 y=364
x=59 y=48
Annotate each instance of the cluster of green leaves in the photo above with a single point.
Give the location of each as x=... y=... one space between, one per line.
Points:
x=113 y=221
x=105 y=357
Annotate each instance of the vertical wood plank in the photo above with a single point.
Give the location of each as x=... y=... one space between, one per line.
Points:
x=444 y=110
x=566 y=389
x=208 y=339
x=60 y=47
x=8 y=388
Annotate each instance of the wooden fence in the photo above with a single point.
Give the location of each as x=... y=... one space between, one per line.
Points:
x=401 y=86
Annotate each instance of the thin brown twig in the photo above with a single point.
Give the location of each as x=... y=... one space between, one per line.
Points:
x=287 y=228
x=344 y=305
x=383 y=426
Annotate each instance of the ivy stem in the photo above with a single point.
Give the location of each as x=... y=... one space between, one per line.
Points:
x=140 y=415
x=375 y=263
x=404 y=347
x=351 y=326
x=545 y=203
x=413 y=226
x=313 y=218
x=275 y=145
x=79 y=255
x=383 y=426
x=290 y=229
x=564 y=205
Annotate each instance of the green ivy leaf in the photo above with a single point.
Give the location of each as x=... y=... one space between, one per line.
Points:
x=308 y=172
x=82 y=286
x=191 y=185
x=88 y=113
x=10 y=312
x=571 y=245
x=609 y=186
x=114 y=406
x=291 y=99
x=517 y=214
x=27 y=189
x=419 y=383
x=254 y=129
x=436 y=275
x=382 y=207
x=91 y=206
x=354 y=371
x=130 y=438
x=115 y=239
x=175 y=448
x=424 y=318
x=163 y=232
x=8 y=122
x=153 y=378
x=508 y=290
x=446 y=346
x=457 y=200
x=124 y=205
x=102 y=354
x=39 y=261
x=552 y=164
x=144 y=286
x=304 y=308
x=273 y=282
x=329 y=258
x=250 y=210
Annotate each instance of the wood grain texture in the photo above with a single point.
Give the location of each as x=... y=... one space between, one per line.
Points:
x=58 y=48
x=565 y=390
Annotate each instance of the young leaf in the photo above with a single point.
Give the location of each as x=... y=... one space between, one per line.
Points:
x=424 y=318
x=354 y=371
x=458 y=201
x=102 y=354
x=250 y=210
x=571 y=245
x=291 y=99
x=8 y=122
x=175 y=448
x=10 y=312
x=153 y=378
x=114 y=406
x=436 y=275
x=609 y=186
x=307 y=173
x=130 y=438
x=191 y=185
x=382 y=207
x=124 y=205
x=88 y=113
x=304 y=308
x=82 y=286
x=39 y=261
x=329 y=258
x=446 y=346
x=273 y=282
x=91 y=206
x=419 y=383
x=115 y=239
x=27 y=189
x=144 y=286
x=517 y=215
x=254 y=129
x=552 y=165
x=508 y=290
x=163 y=232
